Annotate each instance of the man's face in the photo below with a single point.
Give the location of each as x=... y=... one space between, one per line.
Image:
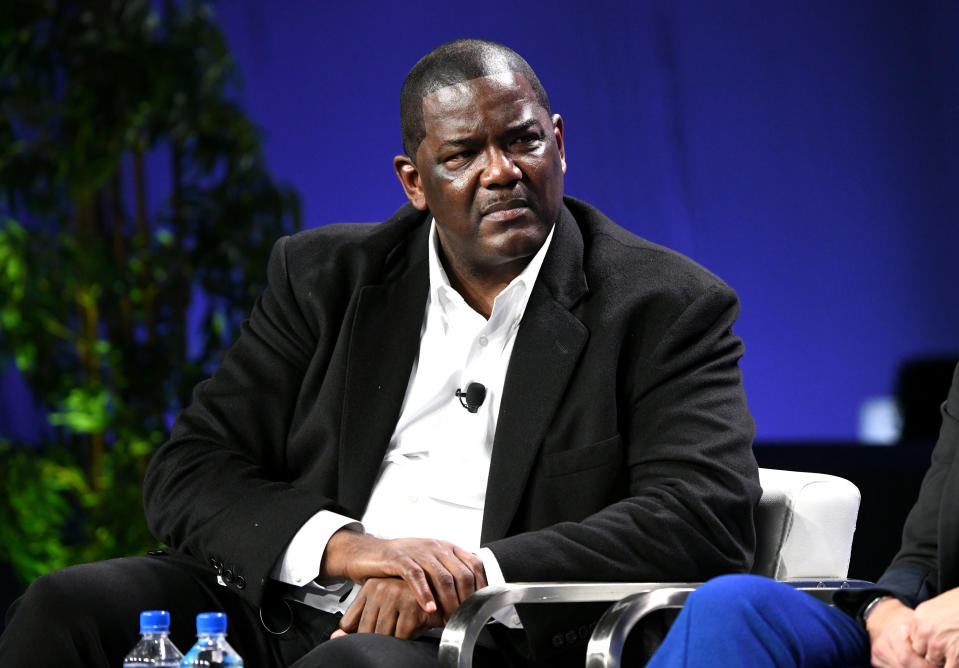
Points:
x=490 y=170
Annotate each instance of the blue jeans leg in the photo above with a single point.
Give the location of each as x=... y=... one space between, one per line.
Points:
x=746 y=620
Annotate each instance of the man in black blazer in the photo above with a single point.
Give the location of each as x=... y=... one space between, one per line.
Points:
x=620 y=449
x=909 y=619
x=912 y=615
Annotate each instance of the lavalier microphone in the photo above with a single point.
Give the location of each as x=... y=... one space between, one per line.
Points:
x=473 y=397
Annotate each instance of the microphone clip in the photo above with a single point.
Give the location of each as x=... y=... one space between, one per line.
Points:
x=473 y=397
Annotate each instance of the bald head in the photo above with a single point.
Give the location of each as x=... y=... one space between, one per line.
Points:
x=453 y=63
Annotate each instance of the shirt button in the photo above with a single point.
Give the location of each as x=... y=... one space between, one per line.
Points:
x=483 y=340
x=414 y=498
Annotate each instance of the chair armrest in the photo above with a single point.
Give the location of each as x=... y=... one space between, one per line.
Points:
x=805 y=523
x=463 y=629
x=605 y=647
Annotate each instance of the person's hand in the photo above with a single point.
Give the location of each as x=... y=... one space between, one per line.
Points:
x=934 y=629
x=387 y=606
x=440 y=574
x=888 y=626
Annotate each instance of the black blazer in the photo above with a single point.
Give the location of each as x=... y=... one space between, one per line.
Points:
x=623 y=446
x=927 y=563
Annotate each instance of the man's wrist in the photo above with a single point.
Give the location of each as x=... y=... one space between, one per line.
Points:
x=871 y=607
x=335 y=560
x=302 y=559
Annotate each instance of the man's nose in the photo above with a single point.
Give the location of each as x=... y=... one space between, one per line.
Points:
x=500 y=169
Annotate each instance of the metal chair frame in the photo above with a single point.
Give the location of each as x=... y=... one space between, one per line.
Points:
x=631 y=601
x=464 y=626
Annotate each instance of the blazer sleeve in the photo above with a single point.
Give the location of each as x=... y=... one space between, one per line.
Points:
x=684 y=475
x=913 y=576
x=692 y=483
x=216 y=490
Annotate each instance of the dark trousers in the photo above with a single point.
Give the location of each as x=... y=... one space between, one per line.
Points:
x=88 y=616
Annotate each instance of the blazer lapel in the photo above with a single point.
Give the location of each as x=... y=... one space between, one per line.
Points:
x=548 y=345
x=384 y=340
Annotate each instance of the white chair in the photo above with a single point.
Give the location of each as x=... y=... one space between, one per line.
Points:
x=805 y=524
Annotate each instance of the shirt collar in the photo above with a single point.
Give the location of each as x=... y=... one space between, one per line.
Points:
x=442 y=293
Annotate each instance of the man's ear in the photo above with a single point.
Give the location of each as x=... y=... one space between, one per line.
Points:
x=558 y=133
x=409 y=177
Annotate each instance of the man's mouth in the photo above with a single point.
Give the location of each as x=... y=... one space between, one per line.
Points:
x=505 y=209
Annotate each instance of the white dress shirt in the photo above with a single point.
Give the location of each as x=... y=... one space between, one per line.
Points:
x=432 y=482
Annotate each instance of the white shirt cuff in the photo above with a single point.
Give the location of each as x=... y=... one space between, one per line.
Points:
x=300 y=563
x=494 y=576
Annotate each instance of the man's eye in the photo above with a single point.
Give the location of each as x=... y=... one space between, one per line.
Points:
x=460 y=157
x=529 y=138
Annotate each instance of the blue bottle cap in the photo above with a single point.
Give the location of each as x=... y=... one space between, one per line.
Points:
x=208 y=623
x=154 y=621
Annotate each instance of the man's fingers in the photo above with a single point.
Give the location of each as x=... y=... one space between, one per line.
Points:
x=459 y=583
x=907 y=656
x=368 y=618
x=351 y=618
x=463 y=574
x=918 y=635
x=936 y=652
x=415 y=577
x=386 y=622
x=952 y=653
x=454 y=574
x=387 y=606
x=475 y=564
x=440 y=574
x=893 y=649
x=408 y=626
x=444 y=586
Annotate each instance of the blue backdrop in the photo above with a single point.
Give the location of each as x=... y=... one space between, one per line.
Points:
x=807 y=152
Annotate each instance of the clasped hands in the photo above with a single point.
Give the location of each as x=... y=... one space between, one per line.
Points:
x=905 y=638
x=409 y=585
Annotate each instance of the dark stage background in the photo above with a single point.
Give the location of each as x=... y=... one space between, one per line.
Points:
x=807 y=152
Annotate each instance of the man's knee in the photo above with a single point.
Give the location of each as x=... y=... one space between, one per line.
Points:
x=57 y=595
x=53 y=621
x=90 y=592
x=729 y=592
x=88 y=613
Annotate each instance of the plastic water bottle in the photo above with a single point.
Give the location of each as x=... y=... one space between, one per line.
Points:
x=211 y=649
x=155 y=647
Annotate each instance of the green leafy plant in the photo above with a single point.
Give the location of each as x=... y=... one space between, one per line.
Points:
x=102 y=103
